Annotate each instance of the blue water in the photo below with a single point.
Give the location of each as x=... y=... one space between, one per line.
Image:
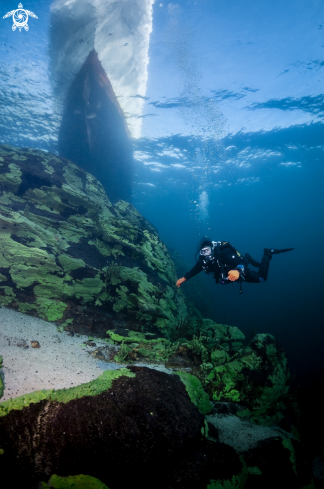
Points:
x=231 y=144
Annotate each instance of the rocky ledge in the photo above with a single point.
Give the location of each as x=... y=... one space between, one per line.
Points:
x=68 y=255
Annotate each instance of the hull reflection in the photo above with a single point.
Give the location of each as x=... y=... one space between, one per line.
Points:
x=93 y=132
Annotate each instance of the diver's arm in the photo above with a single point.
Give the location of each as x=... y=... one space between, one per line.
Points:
x=194 y=271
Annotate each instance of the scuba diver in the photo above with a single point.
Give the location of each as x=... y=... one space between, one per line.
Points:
x=227 y=265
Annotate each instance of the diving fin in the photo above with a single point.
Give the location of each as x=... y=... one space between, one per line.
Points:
x=271 y=251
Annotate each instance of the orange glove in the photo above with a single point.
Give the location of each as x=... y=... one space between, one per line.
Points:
x=233 y=275
x=180 y=281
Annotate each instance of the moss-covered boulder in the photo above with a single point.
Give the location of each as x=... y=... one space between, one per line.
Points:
x=137 y=419
x=69 y=255
x=257 y=377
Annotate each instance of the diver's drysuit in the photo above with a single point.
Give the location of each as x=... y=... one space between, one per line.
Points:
x=226 y=258
x=227 y=265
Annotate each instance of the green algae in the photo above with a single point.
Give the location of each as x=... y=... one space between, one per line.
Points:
x=311 y=485
x=258 y=377
x=146 y=298
x=5 y=301
x=8 y=291
x=196 y=392
x=25 y=307
x=115 y=337
x=287 y=443
x=134 y=337
x=225 y=377
x=254 y=470
x=12 y=179
x=69 y=263
x=122 y=353
x=93 y=388
x=218 y=357
x=237 y=481
x=199 y=349
x=50 y=310
x=74 y=482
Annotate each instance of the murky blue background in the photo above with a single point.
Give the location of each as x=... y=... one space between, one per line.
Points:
x=231 y=144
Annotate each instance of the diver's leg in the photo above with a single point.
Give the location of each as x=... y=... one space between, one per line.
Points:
x=252 y=277
x=264 y=266
x=249 y=259
x=261 y=275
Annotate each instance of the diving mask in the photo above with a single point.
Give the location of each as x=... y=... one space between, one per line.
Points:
x=206 y=252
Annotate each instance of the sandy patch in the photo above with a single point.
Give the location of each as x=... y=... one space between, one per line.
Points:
x=241 y=434
x=60 y=362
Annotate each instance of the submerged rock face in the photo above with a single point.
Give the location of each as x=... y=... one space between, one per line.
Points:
x=257 y=377
x=69 y=255
x=141 y=420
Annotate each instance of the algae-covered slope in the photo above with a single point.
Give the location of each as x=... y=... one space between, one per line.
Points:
x=68 y=254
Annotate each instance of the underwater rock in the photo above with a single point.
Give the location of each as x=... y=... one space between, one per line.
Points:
x=238 y=431
x=229 y=338
x=273 y=457
x=214 y=346
x=278 y=459
x=257 y=377
x=68 y=255
x=137 y=418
